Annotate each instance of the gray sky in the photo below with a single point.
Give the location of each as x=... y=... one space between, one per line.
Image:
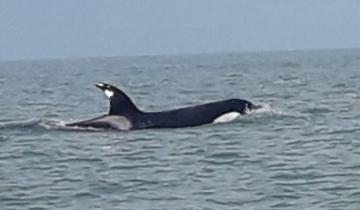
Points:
x=81 y=28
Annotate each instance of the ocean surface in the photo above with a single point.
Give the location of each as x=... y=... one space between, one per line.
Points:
x=301 y=151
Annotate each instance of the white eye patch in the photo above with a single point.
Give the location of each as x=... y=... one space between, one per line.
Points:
x=227 y=117
x=109 y=93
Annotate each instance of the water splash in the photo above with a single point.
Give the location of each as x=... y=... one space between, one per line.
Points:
x=60 y=125
x=267 y=111
x=265 y=108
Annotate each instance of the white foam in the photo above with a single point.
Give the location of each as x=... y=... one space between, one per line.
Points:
x=267 y=110
x=53 y=124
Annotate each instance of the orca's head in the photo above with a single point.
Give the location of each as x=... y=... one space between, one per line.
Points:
x=120 y=103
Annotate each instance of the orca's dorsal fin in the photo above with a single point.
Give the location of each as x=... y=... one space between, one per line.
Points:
x=120 y=103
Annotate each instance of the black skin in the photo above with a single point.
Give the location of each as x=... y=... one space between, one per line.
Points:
x=121 y=104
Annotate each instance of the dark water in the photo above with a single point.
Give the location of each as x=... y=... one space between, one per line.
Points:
x=302 y=151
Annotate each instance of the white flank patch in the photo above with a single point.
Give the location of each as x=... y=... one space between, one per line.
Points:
x=109 y=93
x=227 y=117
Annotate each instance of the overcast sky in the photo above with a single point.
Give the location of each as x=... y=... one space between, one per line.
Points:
x=35 y=29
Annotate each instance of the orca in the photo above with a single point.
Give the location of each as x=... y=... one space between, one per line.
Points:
x=125 y=115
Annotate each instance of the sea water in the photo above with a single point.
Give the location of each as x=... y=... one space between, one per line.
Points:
x=301 y=151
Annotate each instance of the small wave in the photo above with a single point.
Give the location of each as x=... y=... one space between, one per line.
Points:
x=3 y=138
x=318 y=110
x=38 y=124
x=32 y=125
x=85 y=195
x=29 y=123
